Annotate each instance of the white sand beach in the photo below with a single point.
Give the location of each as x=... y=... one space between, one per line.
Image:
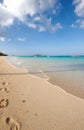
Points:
x=31 y=103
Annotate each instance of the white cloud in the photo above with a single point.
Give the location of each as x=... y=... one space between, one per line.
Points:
x=22 y=8
x=79 y=7
x=21 y=39
x=78 y=24
x=6 y=19
x=2 y=39
x=51 y=27
x=42 y=29
x=56 y=27
x=82 y=24
x=79 y=10
x=37 y=18
x=32 y=25
x=30 y=12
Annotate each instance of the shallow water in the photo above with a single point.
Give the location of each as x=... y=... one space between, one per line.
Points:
x=49 y=64
x=64 y=71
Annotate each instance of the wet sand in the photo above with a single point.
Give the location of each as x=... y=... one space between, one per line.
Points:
x=31 y=103
x=71 y=81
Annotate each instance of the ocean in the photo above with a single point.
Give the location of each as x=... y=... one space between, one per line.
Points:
x=66 y=72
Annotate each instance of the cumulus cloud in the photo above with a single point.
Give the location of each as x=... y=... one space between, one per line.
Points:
x=78 y=24
x=33 y=13
x=79 y=7
x=2 y=39
x=32 y=25
x=21 y=39
x=47 y=25
x=37 y=18
x=42 y=29
x=54 y=27
x=79 y=11
x=6 y=19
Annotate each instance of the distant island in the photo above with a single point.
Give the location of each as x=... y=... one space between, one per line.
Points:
x=2 y=54
x=39 y=55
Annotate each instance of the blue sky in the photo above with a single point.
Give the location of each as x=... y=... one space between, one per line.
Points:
x=52 y=27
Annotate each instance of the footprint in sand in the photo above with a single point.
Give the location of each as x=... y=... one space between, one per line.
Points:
x=1 y=89
x=4 y=89
x=5 y=83
x=4 y=103
x=12 y=124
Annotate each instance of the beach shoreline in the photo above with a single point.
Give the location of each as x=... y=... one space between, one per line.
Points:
x=71 y=84
x=30 y=102
x=70 y=80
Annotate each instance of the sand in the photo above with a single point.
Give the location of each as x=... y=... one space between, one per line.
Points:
x=71 y=81
x=31 y=103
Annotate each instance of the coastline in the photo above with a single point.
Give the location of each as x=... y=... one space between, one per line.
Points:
x=34 y=103
x=70 y=81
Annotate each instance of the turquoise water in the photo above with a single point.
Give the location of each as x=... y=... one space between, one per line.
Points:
x=64 y=71
x=48 y=64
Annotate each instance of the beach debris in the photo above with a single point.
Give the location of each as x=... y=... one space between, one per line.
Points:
x=14 y=125
x=4 y=103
